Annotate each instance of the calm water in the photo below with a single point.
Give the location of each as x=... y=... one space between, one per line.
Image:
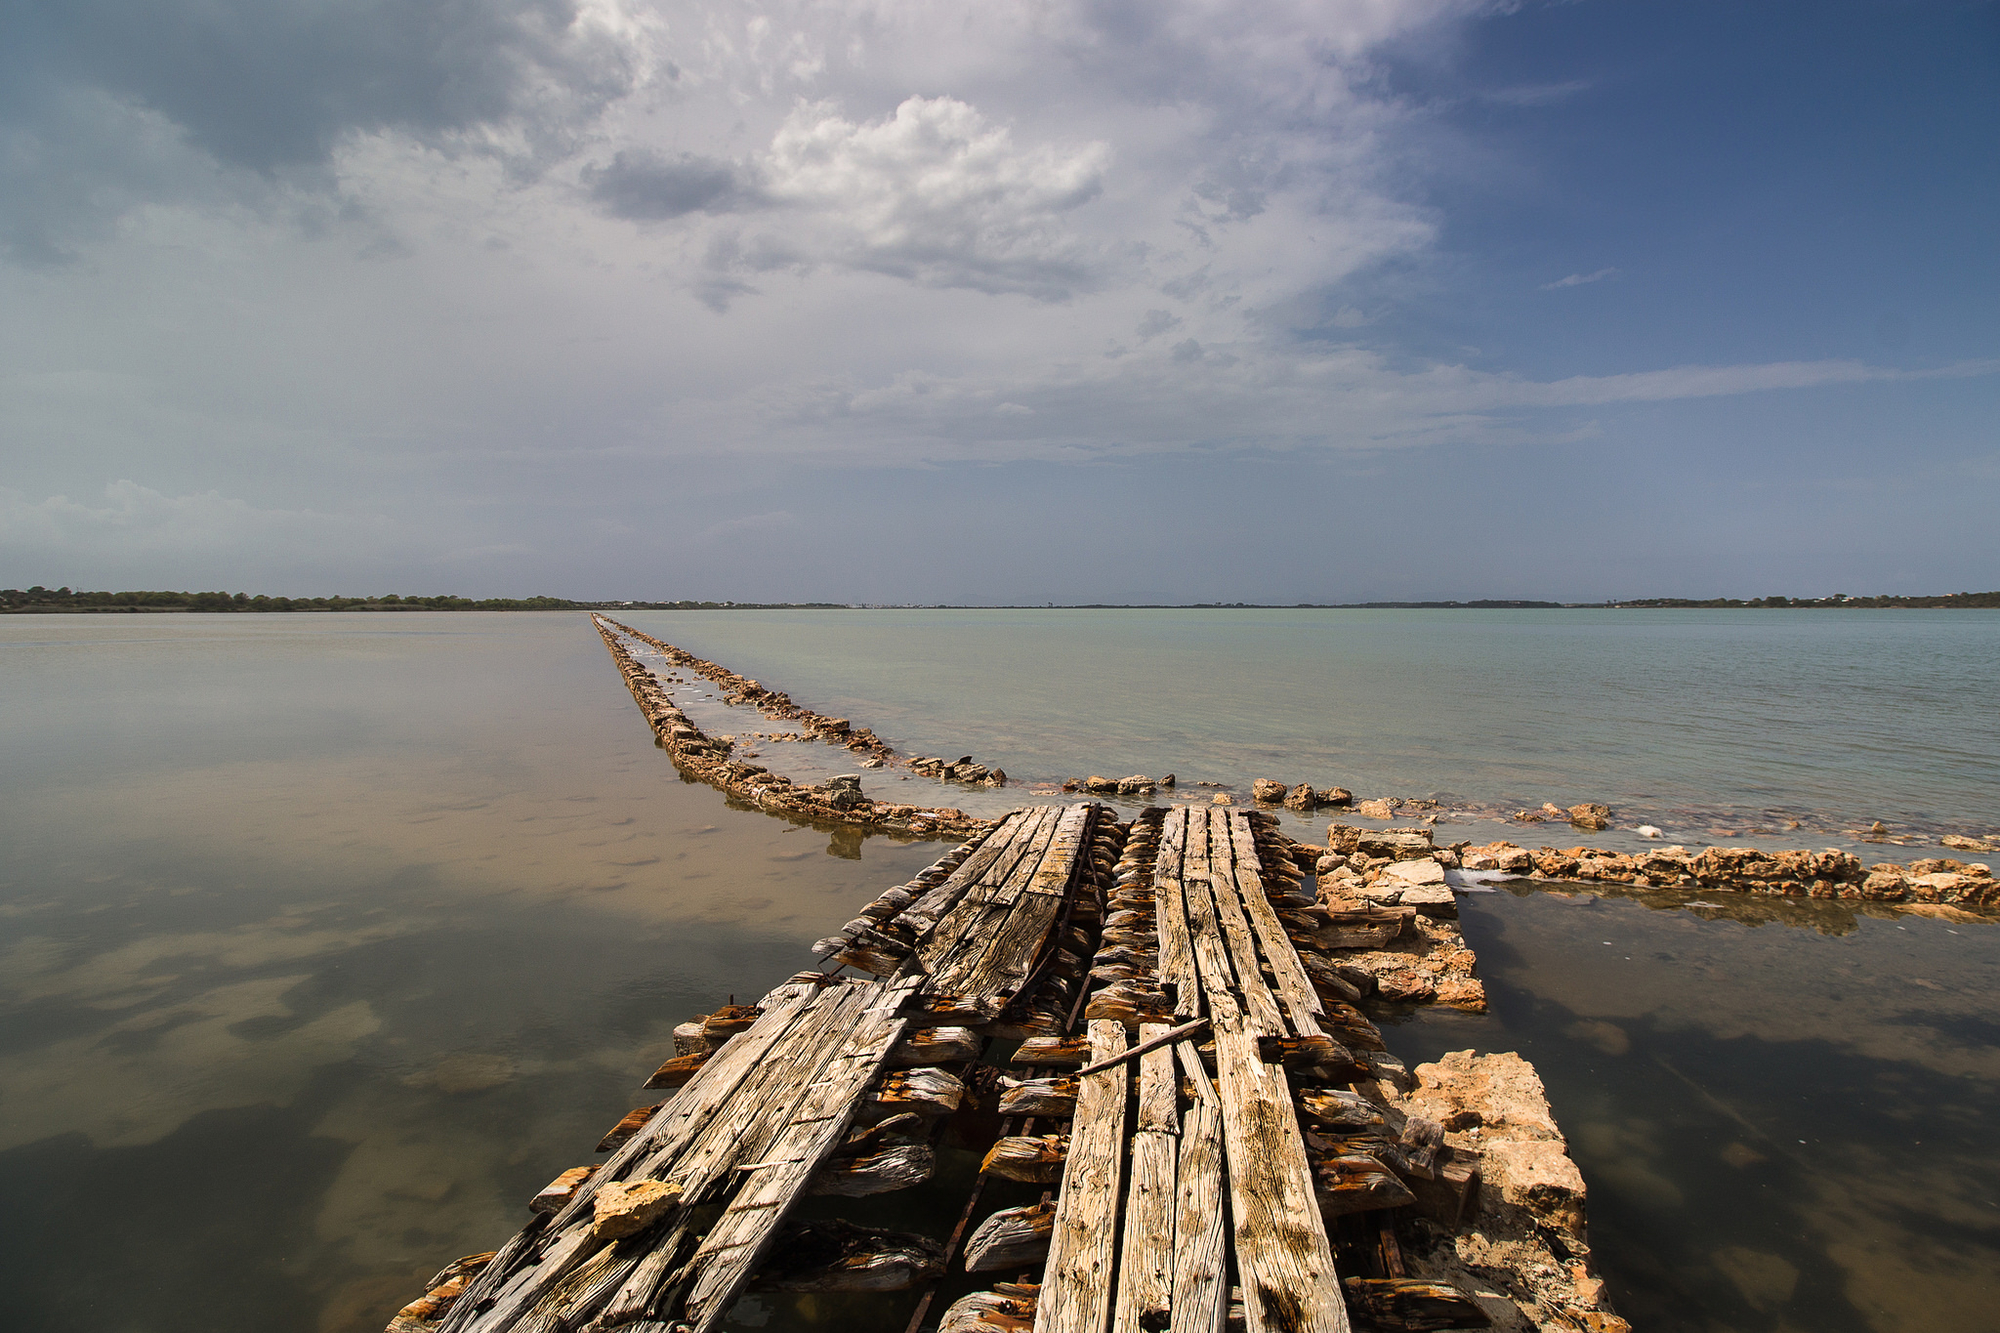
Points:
x=324 y=941
x=1680 y=719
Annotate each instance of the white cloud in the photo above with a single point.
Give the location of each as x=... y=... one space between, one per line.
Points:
x=139 y=520
x=932 y=193
x=1579 y=279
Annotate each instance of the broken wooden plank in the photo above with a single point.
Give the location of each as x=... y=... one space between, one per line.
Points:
x=1146 y=1262
x=1201 y=1257
x=1177 y=962
x=1283 y=1259
x=749 y=1225
x=1292 y=982
x=1076 y=1284
x=1260 y=1007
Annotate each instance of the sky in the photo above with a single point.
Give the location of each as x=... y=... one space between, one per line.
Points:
x=1062 y=300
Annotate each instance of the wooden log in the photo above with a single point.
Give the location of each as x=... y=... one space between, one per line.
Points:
x=1448 y=1198
x=1012 y=1238
x=422 y=1314
x=1337 y=1108
x=729 y=1020
x=1037 y=1159
x=1357 y=1183
x=1348 y=1026
x=1057 y=1051
x=688 y=1038
x=1043 y=1098
x=936 y=1046
x=874 y=1138
x=1146 y=1260
x=1076 y=1285
x=1130 y=1003
x=893 y=1168
x=925 y=1092
x=834 y=1256
x=562 y=1189
x=989 y=1312
x=679 y=1071
x=1412 y=1305
x=634 y=1121
x=1201 y=1286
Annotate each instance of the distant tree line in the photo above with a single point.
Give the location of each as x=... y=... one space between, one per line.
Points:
x=1986 y=600
x=40 y=599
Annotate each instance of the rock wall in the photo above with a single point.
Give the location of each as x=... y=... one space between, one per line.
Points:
x=838 y=800
x=1824 y=874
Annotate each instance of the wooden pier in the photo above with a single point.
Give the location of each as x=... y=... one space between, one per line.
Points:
x=1151 y=997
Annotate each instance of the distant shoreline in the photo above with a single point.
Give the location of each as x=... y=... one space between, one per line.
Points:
x=62 y=601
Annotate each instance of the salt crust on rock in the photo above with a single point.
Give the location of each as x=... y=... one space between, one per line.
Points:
x=1494 y=1107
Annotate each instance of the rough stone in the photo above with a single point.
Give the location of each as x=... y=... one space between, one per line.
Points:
x=1590 y=816
x=625 y=1208
x=1268 y=790
x=1300 y=797
x=1336 y=796
x=1383 y=807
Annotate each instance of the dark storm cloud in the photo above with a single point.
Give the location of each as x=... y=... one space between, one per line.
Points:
x=643 y=186
x=109 y=103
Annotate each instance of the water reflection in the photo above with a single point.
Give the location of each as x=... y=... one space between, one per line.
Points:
x=1782 y=1129
x=286 y=1025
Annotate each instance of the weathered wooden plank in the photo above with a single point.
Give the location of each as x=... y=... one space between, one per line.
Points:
x=1076 y=1284
x=940 y=898
x=739 y=1240
x=1146 y=1262
x=994 y=956
x=955 y=927
x=745 y=1126
x=1177 y=965
x=1301 y=1000
x=1201 y=1254
x=738 y=1123
x=1283 y=1261
x=1034 y=904
x=692 y=1106
x=1259 y=1005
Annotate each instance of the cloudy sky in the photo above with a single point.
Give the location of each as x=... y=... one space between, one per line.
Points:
x=1060 y=300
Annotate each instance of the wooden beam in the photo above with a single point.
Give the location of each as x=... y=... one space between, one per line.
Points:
x=1076 y=1283
x=1301 y=1000
x=1201 y=1255
x=1146 y=1262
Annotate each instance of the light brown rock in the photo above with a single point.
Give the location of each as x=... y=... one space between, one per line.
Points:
x=625 y=1208
x=1382 y=807
x=1300 y=797
x=1268 y=789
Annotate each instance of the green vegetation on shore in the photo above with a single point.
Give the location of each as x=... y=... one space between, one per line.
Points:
x=40 y=599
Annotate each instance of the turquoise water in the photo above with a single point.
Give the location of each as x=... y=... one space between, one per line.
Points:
x=1684 y=719
x=326 y=940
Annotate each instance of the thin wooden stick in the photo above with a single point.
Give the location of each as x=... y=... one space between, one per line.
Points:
x=1166 y=1038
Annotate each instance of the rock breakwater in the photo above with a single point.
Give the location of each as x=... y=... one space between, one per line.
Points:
x=838 y=800
x=1831 y=873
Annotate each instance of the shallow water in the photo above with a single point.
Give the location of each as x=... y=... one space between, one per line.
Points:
x=1785 y=1112
x=328 y=939
x=1708 y=724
